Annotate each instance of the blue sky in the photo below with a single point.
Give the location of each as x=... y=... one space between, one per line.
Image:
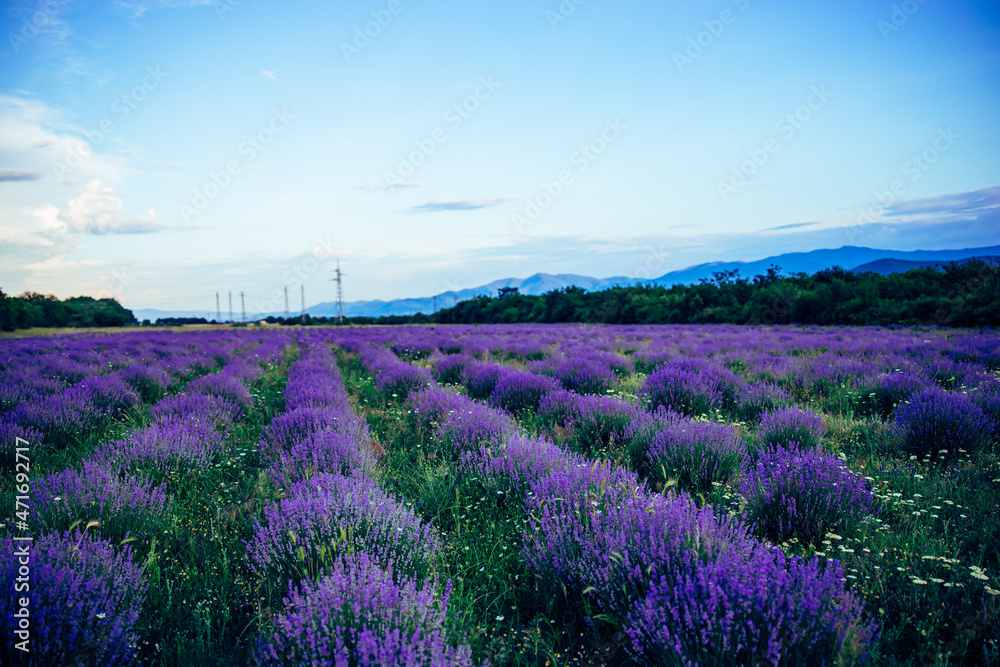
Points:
x=160 y=152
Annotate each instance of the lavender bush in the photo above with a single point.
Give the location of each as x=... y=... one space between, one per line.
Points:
x=85 y=600
x=698 y=455
x=939 y=423
x=741 y=608
x=330 y=516
x=361 y=614
x=803 y=493
x=791 y=424
x=322 y=452
x=518 y=391
x=161 y=449
x=123 y=504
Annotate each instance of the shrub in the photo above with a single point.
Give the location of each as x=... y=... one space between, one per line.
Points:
x=696 y=454
x=164 y=447
x=400 y=379
x=129 y=504
x=448 y=370
x=760 y=607
x=359 y=614
x=791 y=424
x=322 y=452
x=758 y=398
x=883 y=394
x=85 y=601
x=518 y=391
x=220 y=411
x=691 y=386
x=481 y=379
x=600 y=422
x=511 y=468
x=939 y=423
x=467 y=429
x=802 y=493
x=330 y=516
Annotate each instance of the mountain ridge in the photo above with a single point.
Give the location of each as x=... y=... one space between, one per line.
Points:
x=852 y=257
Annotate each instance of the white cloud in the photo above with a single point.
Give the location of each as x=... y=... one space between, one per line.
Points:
x=269 y=74
x=98 y=210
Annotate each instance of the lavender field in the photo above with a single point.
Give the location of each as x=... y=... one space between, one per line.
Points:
x=509 y=494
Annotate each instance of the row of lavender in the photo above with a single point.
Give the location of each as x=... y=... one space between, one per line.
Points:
x=355 y=561
x=744 y=373
x=88 y=589
x=683 y=582
x=54 y=390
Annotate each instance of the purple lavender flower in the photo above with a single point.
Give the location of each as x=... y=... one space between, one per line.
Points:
x=884 y=393
x=225 y=385
x=322 y=452
x=476 y=425
x=166 y=446
x=400 y=379
x=583 y=375
x=791 y=424
x=937 y=423
x=803 y=493
x=222 y=412
x=150 y=382
x=511 y=468
x=292 y=427
x=85 y=601
x=759 y=397
x=741 y=608
x=433 y=406
x=360 y=614
x=683 y=386
x=612 y=545
x=123 y=504
x=558 y=407
x=481 y=379
x=329 y=516
x=601 y=422
x=696 y=454
x=448 y=370
x=517 y=391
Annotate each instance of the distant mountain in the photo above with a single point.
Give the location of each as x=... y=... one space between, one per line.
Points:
x=817 y=260
x=887 y=266
x=862 y=259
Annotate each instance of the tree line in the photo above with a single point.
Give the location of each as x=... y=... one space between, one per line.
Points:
x=44 y=310
x=963 y=294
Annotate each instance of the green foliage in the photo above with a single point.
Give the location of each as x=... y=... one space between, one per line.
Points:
x=44 y=310
x=958 y=295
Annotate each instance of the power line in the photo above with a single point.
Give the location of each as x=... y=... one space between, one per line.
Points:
x=286 y=302
x=244 y=303
x=218 y=310
x=230 y=307
x=303 y=303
